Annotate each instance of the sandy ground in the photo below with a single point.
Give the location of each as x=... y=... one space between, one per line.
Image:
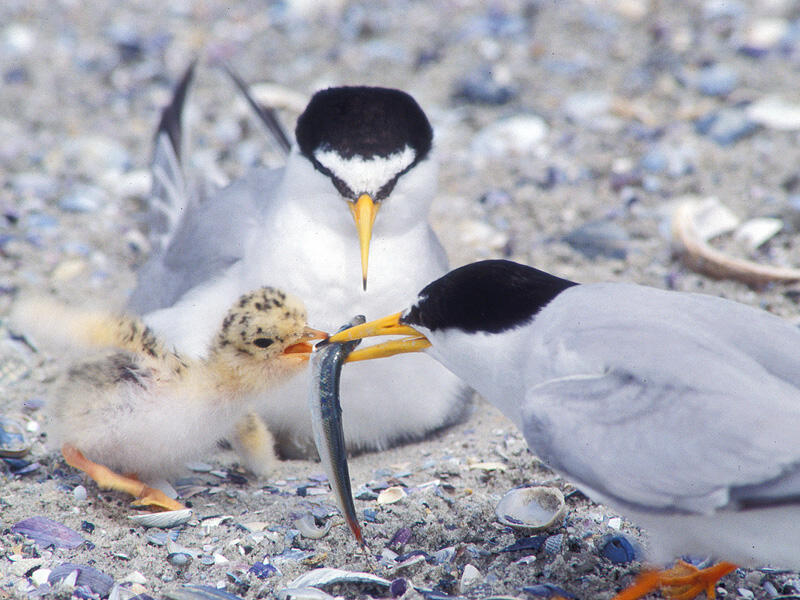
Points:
x=615 y=89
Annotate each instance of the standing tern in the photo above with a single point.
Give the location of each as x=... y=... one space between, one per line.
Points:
x=681 y=410
x=344 y=226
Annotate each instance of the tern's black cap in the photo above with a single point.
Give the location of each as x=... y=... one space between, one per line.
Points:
x=363 y=121
x=491 y=296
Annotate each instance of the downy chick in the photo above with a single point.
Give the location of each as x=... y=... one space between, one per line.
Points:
x=144 y=410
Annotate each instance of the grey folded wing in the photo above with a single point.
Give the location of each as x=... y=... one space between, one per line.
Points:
x=209 y=239
x=683 y=423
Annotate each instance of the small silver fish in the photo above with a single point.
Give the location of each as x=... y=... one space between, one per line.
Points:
x=326 y=422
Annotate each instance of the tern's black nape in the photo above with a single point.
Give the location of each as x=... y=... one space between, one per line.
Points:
x=490 y=295
x=364 y=122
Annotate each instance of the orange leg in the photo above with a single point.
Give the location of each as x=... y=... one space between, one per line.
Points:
x=682 y=582
x=108 y=479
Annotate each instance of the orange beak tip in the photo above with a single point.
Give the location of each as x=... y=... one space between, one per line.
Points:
x=299 y=348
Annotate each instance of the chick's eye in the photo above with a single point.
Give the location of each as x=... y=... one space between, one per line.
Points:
x=263 y=342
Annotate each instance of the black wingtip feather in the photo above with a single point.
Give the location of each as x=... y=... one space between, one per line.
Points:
x=266 y=114
x=171 y=115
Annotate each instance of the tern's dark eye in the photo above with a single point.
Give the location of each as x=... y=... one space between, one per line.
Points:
x=263 y=342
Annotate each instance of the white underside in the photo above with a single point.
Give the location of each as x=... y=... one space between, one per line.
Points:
x=385 y=400
x=125 y=430
x=754 y=538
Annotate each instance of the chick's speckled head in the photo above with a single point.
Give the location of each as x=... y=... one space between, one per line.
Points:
x=263 y=324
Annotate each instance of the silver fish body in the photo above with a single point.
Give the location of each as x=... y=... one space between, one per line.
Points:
x=326 y=422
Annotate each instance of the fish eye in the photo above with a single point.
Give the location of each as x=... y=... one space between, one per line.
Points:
x=263 y=342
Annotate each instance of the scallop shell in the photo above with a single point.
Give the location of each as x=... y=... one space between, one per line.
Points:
x=13 y=441
x=534 y=508
x=164 y=520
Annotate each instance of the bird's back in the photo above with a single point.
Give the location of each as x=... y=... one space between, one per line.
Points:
x=659 y=401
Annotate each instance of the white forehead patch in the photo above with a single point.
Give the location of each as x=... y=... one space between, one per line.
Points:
x=366 y=175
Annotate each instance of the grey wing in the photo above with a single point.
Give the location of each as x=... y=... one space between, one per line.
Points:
x=209 y=239
x=677 y=427
x=168 y=194
x=440 y=255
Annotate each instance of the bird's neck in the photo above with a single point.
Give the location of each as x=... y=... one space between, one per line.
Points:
x=237 y=375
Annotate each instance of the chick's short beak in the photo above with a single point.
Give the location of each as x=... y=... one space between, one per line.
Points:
x=364 y=211
x=414 y=342
x=302 y=346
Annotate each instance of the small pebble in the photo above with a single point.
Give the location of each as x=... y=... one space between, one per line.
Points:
x=40 y=576
x=470 y=577
x=79 y=493
x=22 y=565
x=181 y=559
x=762 y=35
x=617 y=549
x=776 y=113
x=83 y=199
x=599 y=238
x=263 y=570
x=726 y=126
x=717 y=80
x=398 y=587
x=134 y=577
x=482 y=87
x=199 y=467
x=587 y=106
x=520 y=135
x=526 y=544
x=17 y=39
x=547 y=590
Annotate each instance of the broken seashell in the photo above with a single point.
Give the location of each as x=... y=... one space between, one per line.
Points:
x=307 y=526
x=305 y=593
x=199 y=592
x=534 y=508
x=391 y=495
x=487 y=466
x=46 y=532
x=13 y=442
x=73 y=575
x=700 y=257
x=327 y=576
x=756 y=232
x=163 y=520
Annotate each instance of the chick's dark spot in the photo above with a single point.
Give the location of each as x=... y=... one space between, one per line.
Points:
x=263 y=342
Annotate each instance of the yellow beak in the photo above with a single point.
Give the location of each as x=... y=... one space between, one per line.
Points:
x=415 y=342
x=364 y=211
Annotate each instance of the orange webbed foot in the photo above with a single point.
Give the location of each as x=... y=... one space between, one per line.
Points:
x=108 y=479
x=682 y=582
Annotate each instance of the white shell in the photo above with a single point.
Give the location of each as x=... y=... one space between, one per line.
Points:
x=533 y=508
x=308 y=527
x=164 y=520
x=329 y=576
x=391 y=495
